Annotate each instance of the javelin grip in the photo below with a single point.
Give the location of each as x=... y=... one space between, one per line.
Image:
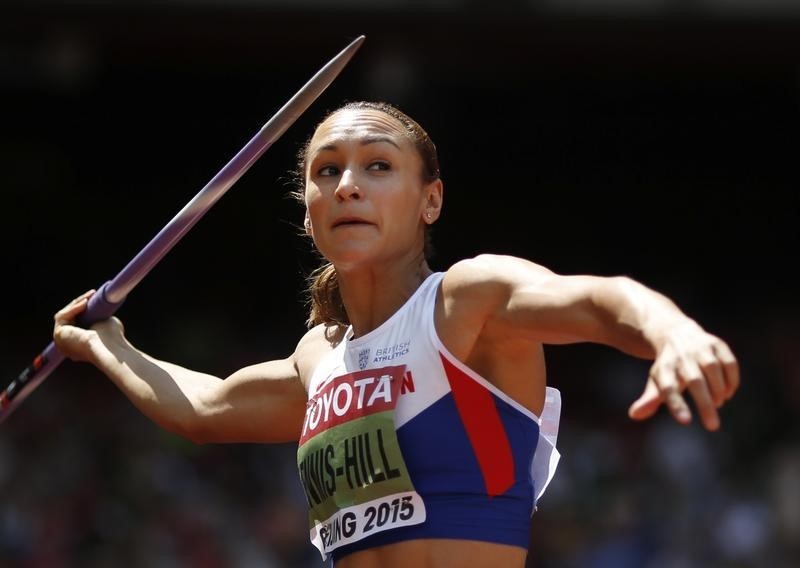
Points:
x=99 y=307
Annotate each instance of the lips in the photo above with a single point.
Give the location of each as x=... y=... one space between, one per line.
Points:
x=350 y=222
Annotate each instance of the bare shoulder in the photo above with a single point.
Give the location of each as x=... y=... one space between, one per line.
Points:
x=487 y=279
x=313 y=346
x=490 y=269
x=473 y=291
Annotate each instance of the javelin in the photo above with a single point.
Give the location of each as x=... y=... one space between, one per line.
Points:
x=105 y=302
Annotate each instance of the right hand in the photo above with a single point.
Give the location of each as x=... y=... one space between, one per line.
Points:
x=690 y=360
x=75 y=342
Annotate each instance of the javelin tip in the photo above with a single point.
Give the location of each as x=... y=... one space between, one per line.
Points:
x=345 y=55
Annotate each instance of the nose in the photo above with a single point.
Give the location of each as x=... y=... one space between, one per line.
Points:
x=347 y=188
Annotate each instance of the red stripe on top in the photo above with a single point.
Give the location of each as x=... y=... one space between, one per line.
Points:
x=484 y=429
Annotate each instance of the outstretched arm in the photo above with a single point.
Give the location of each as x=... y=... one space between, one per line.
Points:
x=515 y=298
x=260 y=403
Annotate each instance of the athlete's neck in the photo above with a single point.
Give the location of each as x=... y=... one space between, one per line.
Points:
x=372 y=294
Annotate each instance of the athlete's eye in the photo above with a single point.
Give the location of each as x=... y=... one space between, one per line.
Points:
x=328 y=171
x=379 y=166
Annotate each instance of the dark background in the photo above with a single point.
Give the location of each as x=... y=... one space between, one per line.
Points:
x=657 y=140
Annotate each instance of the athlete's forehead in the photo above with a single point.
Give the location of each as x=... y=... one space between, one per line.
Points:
x=357 y=125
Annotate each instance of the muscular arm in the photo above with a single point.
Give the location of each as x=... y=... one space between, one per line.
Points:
x=514 y=300
x=519 y=297
x=260 y=403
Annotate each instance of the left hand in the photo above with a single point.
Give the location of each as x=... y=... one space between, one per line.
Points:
x=689 y=358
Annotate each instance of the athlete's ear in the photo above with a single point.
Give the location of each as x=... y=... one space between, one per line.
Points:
x=307 y=225
x=433 y=201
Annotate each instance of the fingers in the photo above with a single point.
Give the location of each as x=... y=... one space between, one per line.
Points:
x=670 y=384
x=712 y=382
x=730 y=368
x=67 y=314
x=668 y=381
x=699 y=387
x=83 y=296
x=647 y=404
x=710 y=375
x=711 y=369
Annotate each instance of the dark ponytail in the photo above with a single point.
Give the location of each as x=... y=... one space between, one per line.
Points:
x=325 y=298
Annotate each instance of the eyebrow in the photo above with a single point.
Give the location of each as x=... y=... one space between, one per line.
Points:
x=365 y=141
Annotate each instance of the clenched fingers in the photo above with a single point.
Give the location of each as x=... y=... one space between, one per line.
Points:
x=67 y=314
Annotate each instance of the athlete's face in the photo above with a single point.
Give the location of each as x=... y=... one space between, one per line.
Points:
x=365 y=196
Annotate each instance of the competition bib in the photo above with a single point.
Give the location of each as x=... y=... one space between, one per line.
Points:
x=351 y=468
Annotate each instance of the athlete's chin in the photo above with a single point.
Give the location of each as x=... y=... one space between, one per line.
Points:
x=353 y=257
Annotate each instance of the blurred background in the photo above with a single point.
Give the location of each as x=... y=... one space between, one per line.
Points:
x=653 y=138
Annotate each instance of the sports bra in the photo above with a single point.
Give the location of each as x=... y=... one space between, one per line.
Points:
x=402 y=441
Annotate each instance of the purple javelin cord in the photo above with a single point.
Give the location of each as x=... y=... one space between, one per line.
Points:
x=105 y=302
